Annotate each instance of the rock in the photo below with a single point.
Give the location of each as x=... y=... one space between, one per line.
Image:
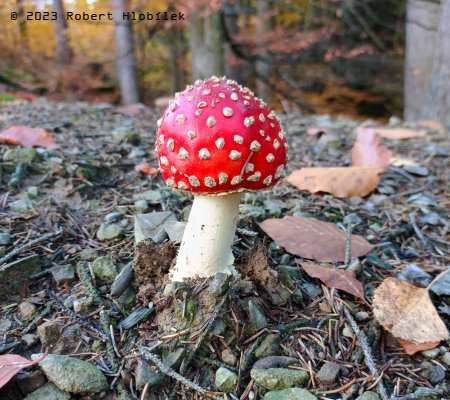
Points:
x=362 y=316
x=297 y=296
x=83 y=304
x=175 y=230
x=446 y=358
x=290 y=394
x=415 y=275
x=144 y=374
x=293 y=272
x=113 y=217
x=219 y=284
x=257 y=319
x=30 y=381
x=2 y=251
x=416 y=169
x=48 y=392
x=141 y=206
x=125 y=136
x=270 y=346
x=27 y=310
x=68 y=302
x=218 y=327
x=225 y=380
x=228 y=357
x=274 y=362
x=30 y=339
x=122 y=280
x=21 y=206
x=328 y=373
x=311 y=289
x=72 y=375
x=109 y=231
x=153 y=197
x=122 y=209
x=432 y=353
x=13 y=275
x=127 y=298
x=48 y=333
x=370 y=396
x=32 y=192
x=279 y=378
x=105 y=268
x=279 y=296
x=151 y=226
x=21 y=154
x=63 y=274
x=5 y=324
x=88 y=254
x=435 y=374
x=5 y=238
x=348 y=332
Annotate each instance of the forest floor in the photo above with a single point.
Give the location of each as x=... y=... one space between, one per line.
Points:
x=67 y=227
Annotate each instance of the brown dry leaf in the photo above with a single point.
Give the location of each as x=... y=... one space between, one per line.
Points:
x=407 y=312
x=313 y=239
x=132 y=110
x=368 y=151
x=400 y=133
x=146 y=169
x=340 y=181
x=432 y=125
x=412 y=348
x=27 y=137
x=342 y=279
x=11 y=364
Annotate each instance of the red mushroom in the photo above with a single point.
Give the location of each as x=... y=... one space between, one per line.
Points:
x=216 y=139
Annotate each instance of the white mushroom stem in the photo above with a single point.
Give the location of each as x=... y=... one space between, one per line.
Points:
x=208 y=237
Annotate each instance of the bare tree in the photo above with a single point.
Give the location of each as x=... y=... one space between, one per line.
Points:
x=64 y=53
x=206 y=44
x=22 y=24
x=230 y=14
x=177 y=50
x=125 y=58
x=436 y=103
x=262 y=65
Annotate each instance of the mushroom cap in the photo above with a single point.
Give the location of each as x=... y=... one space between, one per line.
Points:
x=217 y=137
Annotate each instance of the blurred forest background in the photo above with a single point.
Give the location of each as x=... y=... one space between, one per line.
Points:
x=361 y=58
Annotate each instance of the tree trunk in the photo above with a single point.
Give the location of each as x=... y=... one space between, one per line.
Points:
x=22 y=24
x=422 y=19
x=177 y=58
x=125 y=59
x=436 y=104
x=262 y=64
x=233 y=65
x=64 y=53
x=206 y=45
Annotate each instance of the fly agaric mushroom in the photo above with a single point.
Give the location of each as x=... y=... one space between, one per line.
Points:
x=215 y=140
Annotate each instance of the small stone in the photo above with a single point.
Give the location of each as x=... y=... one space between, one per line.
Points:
x=279 y=378
x=141 y=206
x=370 y=396
x=5 y=324
x=48 y=392
x=125 y=136
x=432 y=353
x=63 y=274
x=446 y=357
x=290 y=394
x=127 y=298
x=21 y=206
x=225 y=380
x=145 y=374
x=13 y=275
x=32 y=192
x=328 y=374
x=122 y=280
x=434 y=374
x=88 y=254
x=30 y=339
x=82 y=304
x=109 y=231
x=113 y=217
x=105 y=268
x=5 y=238
x=48 y=333
x=348 y=332
x=68 y=302
x=151 y=226
x=279 y=296
x=297 y=296
x=152 y=197
x=311 y=289
x=2 y=251
x=72 y=375
x=270 y=346
x=21 y=154
x=219 y=284
x=228 y=357
x=362 y=316
x=257 y=319
x=30 y=381
x=175 y=230
x=27 y=310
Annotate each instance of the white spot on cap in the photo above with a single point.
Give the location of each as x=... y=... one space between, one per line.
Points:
x=193 y=180
x=161 y=139
x=268 y=138
x=201 y=104
x=255 y=145
x=255 y=177
x=238 y=139
x=261 y=132
x=164 y=161
x=183 y=154
x=272 y=115
x=222 y=95
x=170 y=182
x=206 y=92
x=279 y=172
x=190 y=98
x=267 y=180
x=211 y=121
x=210 y=182
x=234 y=96
x=198 y=112
x=170 y=144
x=249 y=167
x=172 y=105
x=159 y=122
x=235 y=155
x=272 y=125
x=249 y=121
x=173 y=170
x=191 y=134
x=220 y=143
x=236 y=180
x=262 y=118
x=180 y=119
x=227 y=111
x=270 y=157
x=223 y=177
x=204 y=154
x=281 y=134
x=276 y=144
x=182 y=185
x=246 y=102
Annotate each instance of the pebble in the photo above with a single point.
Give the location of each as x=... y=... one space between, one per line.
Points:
x=105 y=268
x=113 y=217
x=48 y=333
x=370 y=396
x=219 y=284
x=270 y=346
x=435 y=374
x=72 y=375
x=225 y=380
x=109 y=231
x=122 y=280
x=48 y=392
x=128 y=298
x=144 y=374
x=30 y=339
x=152 y=197
x=348 y=332
x=362 y=316
x=175 y=230
x=30 y=381
x=27 y=310
x=290 y=394
x=21 y=206
x=141 y=206
x=82 y=304
x=432 y=353
x=63 y=274
x=257 y=319
x=311 y=289
x=228 y=357
x=68 y=302
x=20 y=154
x=446 y=358
x=328 y=373
x=88 y=254
x=151 y=226
x=32 y=192
x=5 y=238
x=13 y=275
x=125 y=136
x=279 y=378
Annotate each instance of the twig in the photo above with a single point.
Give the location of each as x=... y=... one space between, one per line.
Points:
x=412 y=221
x=27 y=245
x=438 y=278
x=175 y=375
x=348 y=245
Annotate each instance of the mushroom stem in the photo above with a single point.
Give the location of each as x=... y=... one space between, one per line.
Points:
x=208 y=237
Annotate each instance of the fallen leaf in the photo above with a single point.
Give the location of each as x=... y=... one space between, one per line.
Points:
x=400 y=133
x=368 y=151
x=407 y=312
x=313 y=239
x=11 y=364
x=342 y=279
x=412 y=348
x=132 y=110
x=340 y=181
x=432 y=125
x=27 y=137
x=146 y=169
